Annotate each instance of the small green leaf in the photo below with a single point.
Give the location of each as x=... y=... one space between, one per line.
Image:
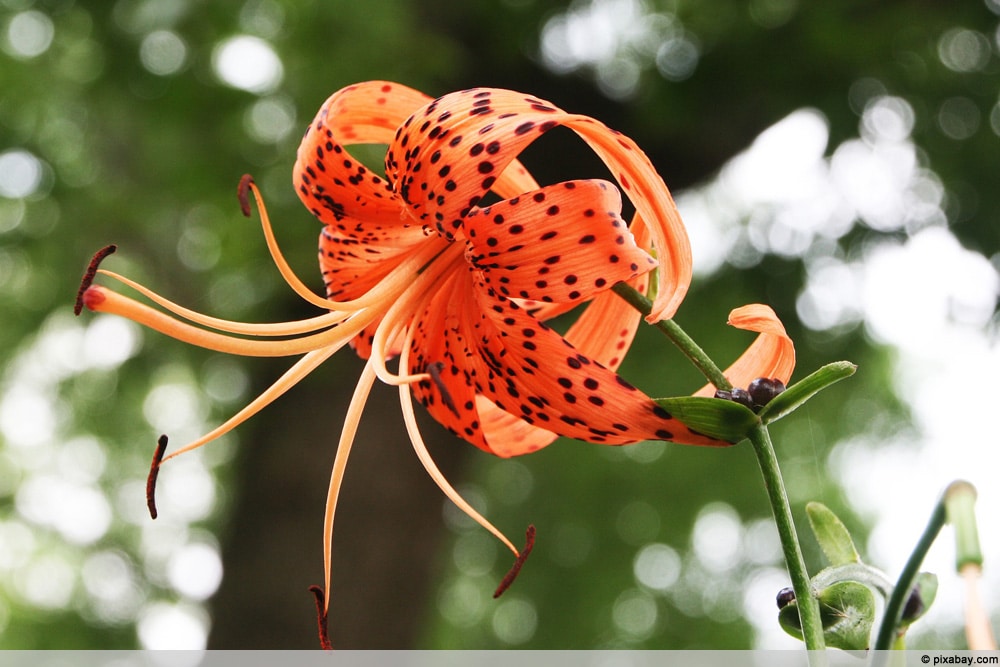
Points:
x=927 y=586
x=849 y=607
x=714 y=417
x=804 y=389
x=861 y=573
x=832 y=535
x=847 y=611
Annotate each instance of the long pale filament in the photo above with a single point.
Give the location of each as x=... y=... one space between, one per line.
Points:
x=230 y=326
x=398 y=279
x=397 y=319
x=104 y=300
x=347 y=435
x=410 y=419
x=303 y=367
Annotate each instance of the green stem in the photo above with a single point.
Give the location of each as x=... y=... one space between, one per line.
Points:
x=808 y=605
x=676 y=335
x=901 y=593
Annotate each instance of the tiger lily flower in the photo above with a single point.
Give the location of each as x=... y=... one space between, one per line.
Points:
x=417 y=268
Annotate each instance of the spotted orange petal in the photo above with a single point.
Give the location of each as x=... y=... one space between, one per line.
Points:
x=561 y=243
x=443 y=334
x=334 y=185
x=536 y=373
x=448 y=156
x=451 y=152
x=655 y=209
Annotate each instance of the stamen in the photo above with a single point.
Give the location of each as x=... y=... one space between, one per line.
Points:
x=243 y=193
x=251 y=329
x=397 y=319
x=321 y=618
x=105 y=300
x=410 y=419
x=154 y=472
x=385 y=291
x=303 y=367
x=347 y=434
x=529 y=544
x=88 y=276
x=434 y=370
x=382 y=350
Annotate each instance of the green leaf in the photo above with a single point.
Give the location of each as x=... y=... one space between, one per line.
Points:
x=714 y=417
x=804 y=389
x=849 y=607
x=832 y=535
x=861 y=573
x=927 y=586
x=847 y=611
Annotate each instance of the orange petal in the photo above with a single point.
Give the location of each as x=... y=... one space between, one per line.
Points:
x=771 y=355
x=441 y=334
x=565 y=242
x=351 y=267
x=655 y=209
x=532 y=372
x=508 y=435
x=451 y=152
x=334 y=185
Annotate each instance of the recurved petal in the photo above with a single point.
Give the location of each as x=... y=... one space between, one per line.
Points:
x=494 y=355
x=771 y=355
x=508 y=435
x=333 y=184
x=533 y=372
x=565 y=242
x=450 y=153
x=605 y=329
x=351 y=267
x=655 y=209
x=441 y=336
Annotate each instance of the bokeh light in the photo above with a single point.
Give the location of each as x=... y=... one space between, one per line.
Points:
x=248 y=63
x=29 y=34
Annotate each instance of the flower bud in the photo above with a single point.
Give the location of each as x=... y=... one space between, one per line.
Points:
x=762 y=390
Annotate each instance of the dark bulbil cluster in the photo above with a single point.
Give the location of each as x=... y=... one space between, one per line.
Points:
x=760 y=392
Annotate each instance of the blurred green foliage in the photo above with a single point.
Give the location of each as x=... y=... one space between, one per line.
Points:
x=132 y=137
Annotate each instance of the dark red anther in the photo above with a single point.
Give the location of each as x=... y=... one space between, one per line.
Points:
x=243 y=192
x=321 y=622
x=154 y=471
x=529 y=544
x=88 y=276
x=434 y=370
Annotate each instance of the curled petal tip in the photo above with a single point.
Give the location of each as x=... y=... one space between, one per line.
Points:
x=82 y=295
x=529 y=544
x=321 y=617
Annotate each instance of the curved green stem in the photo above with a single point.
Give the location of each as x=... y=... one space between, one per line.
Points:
x=894 y=607
x=808 y=605
x=676 y=335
